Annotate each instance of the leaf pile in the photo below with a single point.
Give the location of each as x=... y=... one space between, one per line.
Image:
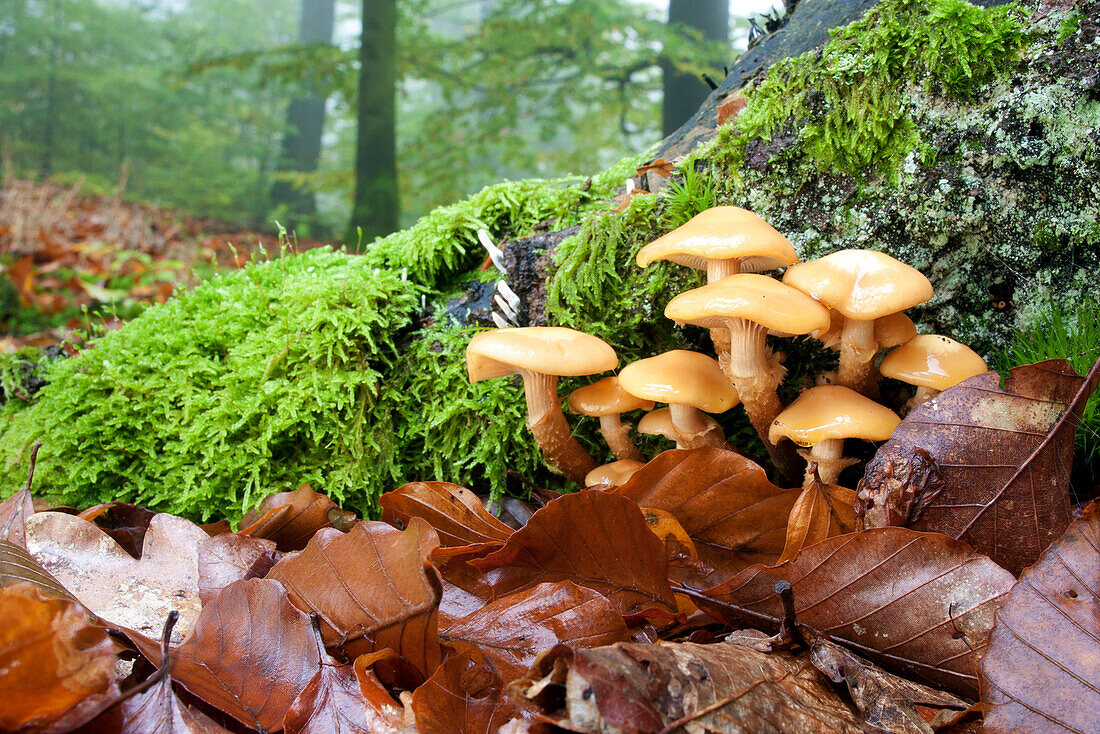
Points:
x=600 y=613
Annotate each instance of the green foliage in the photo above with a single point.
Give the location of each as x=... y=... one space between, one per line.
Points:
x=689 y=194
x=250 y=384
x=846 y=101
x=1072 y=332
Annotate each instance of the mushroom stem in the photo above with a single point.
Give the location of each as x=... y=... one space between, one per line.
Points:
x=547 y=422
x=716 y=270
x=617 y=435
x=830 y=459
x=694 y=429
x=923 y=395
x=857 y=353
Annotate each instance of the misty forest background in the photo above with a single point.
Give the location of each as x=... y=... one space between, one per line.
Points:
x=262 y=111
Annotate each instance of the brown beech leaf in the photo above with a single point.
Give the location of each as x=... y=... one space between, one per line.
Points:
x=668 y=687
x=372 y=588
x=885 y=701
x=333 y=702
x=465 y=695
x=1004 y=459
x=250 y=654
x=291 y=518
x=18 y=566
x=51 y=658
x=820 y=512
x=15 y=510
x=124 y=522
x=1042 y=669
x=230 y=557
x=920 y=604
x=594 y=539
x=465 y=588
x=723 y=500
x=455 y=512
x=512 y=630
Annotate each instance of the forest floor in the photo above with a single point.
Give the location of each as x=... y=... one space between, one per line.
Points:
x=73 y=262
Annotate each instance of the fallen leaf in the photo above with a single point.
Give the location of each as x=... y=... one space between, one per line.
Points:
x=730 y=108
x=229 y=557
x=455 y=512
x=51 y=658
x=919 y=604
x=18 y=566
x=15 y=510
x=464 y=696
x=124 y=522
x=885 y=701
x=723 y=500
x=659 y=166
x=372 y=588
x=250 y=654
x=465 y=588
x=820 y=512
x=668 y=687
x=291 y=518
x=1042 y=669
x=512 y=630
x=1004 y=457
x=594 y=539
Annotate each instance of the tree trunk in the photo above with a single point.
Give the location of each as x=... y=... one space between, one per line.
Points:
x=305 y=120
x=683 y=93
x=375 y=207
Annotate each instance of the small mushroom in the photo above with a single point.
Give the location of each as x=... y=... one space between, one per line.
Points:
x=690 y=383
x=932 y=363
x=822 y=417
x=863 y=285
x=613 y=474
x=607 y=400
x=659 y=423
x=540 y=354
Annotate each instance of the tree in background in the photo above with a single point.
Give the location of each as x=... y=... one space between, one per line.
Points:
x=684 y=91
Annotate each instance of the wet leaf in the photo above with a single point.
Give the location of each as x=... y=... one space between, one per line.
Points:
x=594 y=539
x=455 y=512
x=291 y=518
x=18 y=566
x=885 y=701
x=51 y=658
x=511 y=631
x=465 y=588
x=230 y=557
x=667 y=687
x=723 y=500
x=464 y=696
x=919 y=604
x=1042 y=669
x=157 y=710
x=1004 y=459
x=15 y=510
x=124 y=522
x=821 y=511
x=250 y=654
x=372 y=588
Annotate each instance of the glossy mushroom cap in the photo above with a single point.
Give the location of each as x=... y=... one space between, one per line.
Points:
x=832 y=411
x=756 y=298
x=933 y=361
x=681 y=377
x=722 y=233
x=894 y=329
x=551 y=350
x=605 y=397
x=861 y=284
x=658 y=423
x=614 y=474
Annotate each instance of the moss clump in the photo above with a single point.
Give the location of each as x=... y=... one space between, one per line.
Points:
x=253 y=383
x=846 y=102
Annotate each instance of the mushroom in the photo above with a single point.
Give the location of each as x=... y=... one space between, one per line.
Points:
x=863 y=285
x=659 y=423
x=890 y=331
x=540 y=354
x=722 y=240
x=748 y=306
x=613 y=474
x=607 y=400
x=822 y=417
x=933 y=363
x=690 y=383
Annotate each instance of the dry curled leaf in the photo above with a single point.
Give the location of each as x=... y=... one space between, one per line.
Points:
x=514 y=629
x=668 y=687
x=292 y=518
x=465 y=695
x=455 y=512
x=594 y=539
x=51 y=658
x=1042 y=669
x=735 y=516
x=1004 y=458
x=372 y=588
x=821 y=511
x=919 y=604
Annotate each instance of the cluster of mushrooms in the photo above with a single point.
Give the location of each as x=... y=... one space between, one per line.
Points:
x=851 y=300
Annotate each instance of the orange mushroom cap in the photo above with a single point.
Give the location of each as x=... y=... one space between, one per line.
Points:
x=934 y=361
x=550 y=350
x=722 y=233
x=757 y=298
x=605 y=397
x=861 y=284
x=833 y=411
x=683 y=377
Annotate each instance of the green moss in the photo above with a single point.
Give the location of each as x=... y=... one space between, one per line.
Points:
x=847 y=103
x=1069 y=26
